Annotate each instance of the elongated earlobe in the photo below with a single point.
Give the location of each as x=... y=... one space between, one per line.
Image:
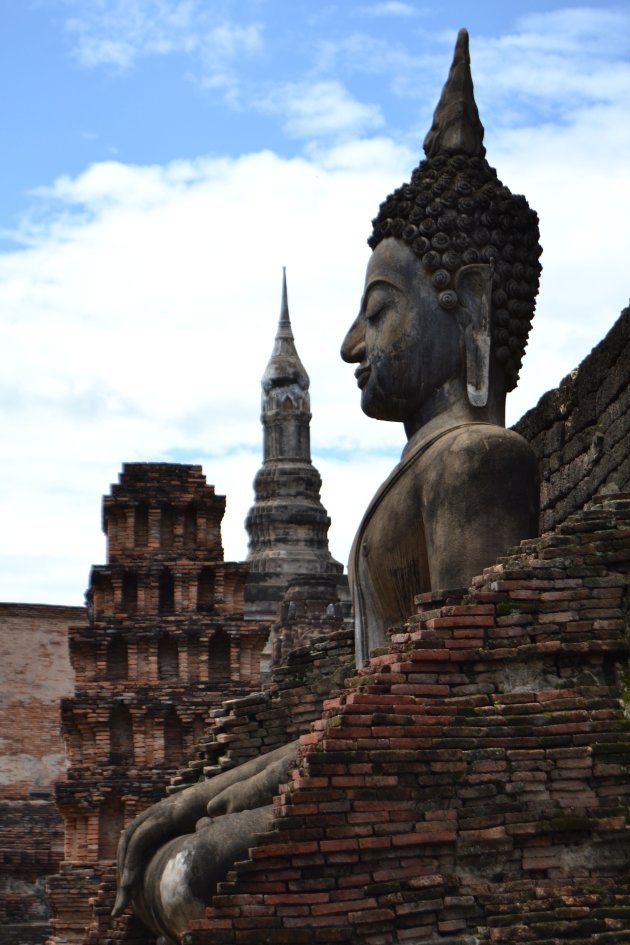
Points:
x=474 y=290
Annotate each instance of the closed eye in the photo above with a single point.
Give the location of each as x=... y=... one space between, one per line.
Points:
x=375 y=315
x=380 y=298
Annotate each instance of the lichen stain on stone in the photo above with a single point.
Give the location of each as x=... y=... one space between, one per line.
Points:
x=175 y=896
x=174 y=879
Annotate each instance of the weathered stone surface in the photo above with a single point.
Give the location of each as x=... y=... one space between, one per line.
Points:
x=36 y=675
x=310 y=604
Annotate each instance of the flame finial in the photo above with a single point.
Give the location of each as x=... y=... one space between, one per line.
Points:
x=456 y=127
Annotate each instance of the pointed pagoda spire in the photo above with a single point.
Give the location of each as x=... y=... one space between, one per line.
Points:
x=287 y=524
x=284 y=367
x=285 y=322
x=456 y=127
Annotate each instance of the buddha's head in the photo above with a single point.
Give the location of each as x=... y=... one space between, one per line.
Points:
x=451 y=285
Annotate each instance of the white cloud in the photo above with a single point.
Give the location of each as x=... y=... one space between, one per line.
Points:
x=550 y=66
x=140 y=317
x=390 y=8
x=577 y=179
x=117 y=33
x=579 y=30
x=140 y=312
x=221 y=49
x=364 y=53
x=319 y=109
x=545 y=68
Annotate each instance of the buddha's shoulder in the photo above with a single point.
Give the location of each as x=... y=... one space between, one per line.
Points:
x=467 y=456
x=479 y=449
x=482 y=438
x=479 y=467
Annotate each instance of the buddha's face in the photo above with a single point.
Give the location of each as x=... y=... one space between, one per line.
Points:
x=406 y=346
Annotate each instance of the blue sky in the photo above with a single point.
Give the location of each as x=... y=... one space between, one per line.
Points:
x=163 y=160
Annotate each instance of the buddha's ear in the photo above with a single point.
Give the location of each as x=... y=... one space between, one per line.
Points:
x=473 y=285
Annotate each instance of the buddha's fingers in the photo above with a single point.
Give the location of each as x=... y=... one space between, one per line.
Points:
x=257 y=790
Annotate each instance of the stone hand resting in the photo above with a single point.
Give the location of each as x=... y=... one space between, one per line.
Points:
x=171 y=857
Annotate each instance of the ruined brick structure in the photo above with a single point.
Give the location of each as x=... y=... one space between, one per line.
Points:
x=169 y=617
x=580 y=430
x=260 y=722
x=166 y=641
x=288 y=705
x=469 y=785
x=310 y=603
x=35 y=676
x=287 y=525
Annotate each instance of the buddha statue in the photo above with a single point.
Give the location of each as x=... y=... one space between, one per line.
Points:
x=449 y=296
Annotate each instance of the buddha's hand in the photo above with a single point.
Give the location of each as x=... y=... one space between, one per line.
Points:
x=246 y=787
x=257 y=790
x=172 y=817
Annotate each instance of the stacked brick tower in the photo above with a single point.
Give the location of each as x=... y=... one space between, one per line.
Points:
x=166 y=642
x=287 y=525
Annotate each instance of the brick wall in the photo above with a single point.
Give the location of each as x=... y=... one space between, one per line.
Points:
x=470 y=784
x=35 y=674
x=258 y=723
x=581 y=431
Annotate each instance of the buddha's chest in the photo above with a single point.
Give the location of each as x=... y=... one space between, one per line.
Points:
x=391 y=557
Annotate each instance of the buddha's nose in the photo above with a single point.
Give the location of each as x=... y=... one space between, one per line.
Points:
x=353 y=347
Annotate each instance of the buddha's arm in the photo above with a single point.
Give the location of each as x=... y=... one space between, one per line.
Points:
x=480 y=497
x=241 y=788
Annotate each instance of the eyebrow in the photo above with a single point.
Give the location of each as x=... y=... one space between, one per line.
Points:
x=377 y=283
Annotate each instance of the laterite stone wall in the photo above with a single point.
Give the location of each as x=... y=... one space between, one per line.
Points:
x=580 y=431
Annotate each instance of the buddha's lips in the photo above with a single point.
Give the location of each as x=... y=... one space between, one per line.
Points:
x=361 y=374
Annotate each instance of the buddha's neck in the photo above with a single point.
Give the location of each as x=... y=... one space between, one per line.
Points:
x=449 y=407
